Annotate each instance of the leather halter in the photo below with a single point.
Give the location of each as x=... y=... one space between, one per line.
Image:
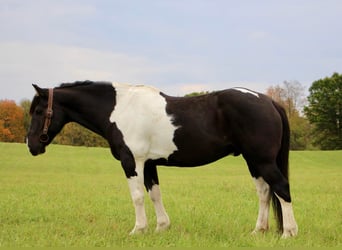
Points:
x=44 y=136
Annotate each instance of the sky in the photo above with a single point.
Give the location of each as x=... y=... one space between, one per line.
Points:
x=178 y=46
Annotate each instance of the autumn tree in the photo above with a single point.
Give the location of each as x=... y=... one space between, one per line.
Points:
x=11 y=122
x=324 y=111
x=291 y=96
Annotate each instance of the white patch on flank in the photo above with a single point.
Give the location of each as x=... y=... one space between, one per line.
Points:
x=247 y=91
x=263 y=191
x=140 y=114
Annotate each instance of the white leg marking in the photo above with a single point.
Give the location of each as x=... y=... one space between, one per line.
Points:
x=136 y=186
x=163 y=221
x=289 y=222
x=263 y=191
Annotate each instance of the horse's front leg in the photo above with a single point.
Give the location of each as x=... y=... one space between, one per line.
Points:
x=152 y=187
x=136 y=186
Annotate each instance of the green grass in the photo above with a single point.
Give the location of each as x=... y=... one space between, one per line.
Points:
x=77 y=196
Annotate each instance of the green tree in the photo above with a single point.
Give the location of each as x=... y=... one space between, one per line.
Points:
x=324 y=111
x=25 y=105
x=300 y=133
x=196 y=93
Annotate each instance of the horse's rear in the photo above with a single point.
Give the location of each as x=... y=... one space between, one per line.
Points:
x=239 y=121
x=261 y=134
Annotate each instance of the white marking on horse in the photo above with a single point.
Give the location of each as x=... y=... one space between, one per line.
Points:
x=136 y=186
x=163 y=221
x=140 y=114
x=263 y=191
x=290 y=227
x=247 y=91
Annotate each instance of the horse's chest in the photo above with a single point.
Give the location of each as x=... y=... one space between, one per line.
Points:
x=140 y=115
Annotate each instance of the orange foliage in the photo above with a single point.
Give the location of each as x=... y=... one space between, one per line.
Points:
x=11 y=122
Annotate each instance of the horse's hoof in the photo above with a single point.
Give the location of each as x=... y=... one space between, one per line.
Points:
x=259 y=230
x=138 y=230
x=162 y=227
x=290 y=232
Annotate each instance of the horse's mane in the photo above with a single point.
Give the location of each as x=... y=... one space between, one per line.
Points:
x=80 y=83
x=34 y=104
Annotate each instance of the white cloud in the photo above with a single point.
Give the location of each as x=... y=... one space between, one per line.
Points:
x=49 y=65
x=173 y=46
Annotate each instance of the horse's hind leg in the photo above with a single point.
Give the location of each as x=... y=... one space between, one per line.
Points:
x=152 y=186
x=263 y=191
x=290 y=227
x=281 y=189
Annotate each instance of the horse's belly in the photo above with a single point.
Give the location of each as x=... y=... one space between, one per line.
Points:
x=199 y=154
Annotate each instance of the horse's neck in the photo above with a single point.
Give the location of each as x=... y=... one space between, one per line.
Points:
x=92 y=112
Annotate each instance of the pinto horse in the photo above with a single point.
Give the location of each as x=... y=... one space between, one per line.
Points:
x=145 y=128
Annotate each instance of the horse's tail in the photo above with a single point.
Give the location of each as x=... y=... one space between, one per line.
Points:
x=282 y=162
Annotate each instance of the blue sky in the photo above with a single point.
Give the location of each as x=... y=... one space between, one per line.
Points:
x=178 y=46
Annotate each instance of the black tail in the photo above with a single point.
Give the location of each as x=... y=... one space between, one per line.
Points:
x=282 y=162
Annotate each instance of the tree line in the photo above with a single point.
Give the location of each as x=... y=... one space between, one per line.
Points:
x=315 y=120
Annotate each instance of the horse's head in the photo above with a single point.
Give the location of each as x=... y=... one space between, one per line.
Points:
x=47 y=120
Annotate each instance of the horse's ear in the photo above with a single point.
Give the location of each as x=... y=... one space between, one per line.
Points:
x=40 y=91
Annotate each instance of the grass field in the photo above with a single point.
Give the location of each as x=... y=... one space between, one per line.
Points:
x=77 y=196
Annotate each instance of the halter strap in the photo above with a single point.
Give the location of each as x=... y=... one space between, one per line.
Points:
x=44 y=136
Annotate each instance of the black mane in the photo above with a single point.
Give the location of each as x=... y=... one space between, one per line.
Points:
x=34 y=103
x=80 y=83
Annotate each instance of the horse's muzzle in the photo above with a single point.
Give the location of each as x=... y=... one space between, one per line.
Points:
x=36 y=148
x=37 y=152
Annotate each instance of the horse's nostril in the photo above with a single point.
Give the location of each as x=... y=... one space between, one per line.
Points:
x=33 y=152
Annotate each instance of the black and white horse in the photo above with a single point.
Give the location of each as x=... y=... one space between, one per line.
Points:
x=146 y=128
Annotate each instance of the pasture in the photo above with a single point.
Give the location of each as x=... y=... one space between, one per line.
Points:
x=78 y=196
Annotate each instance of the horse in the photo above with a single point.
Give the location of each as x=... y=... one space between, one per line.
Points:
x=145 y=128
